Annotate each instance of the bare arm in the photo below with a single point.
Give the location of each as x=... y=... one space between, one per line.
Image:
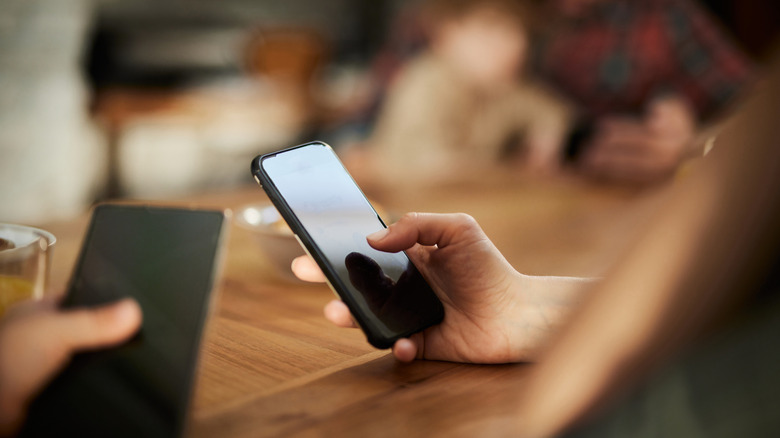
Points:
x=689 y=269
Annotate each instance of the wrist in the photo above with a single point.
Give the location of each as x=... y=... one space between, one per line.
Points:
x=542 y=305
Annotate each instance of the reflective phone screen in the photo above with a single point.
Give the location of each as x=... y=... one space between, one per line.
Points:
x=338 y=217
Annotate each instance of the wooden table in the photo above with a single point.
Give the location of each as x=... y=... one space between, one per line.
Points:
x=273 y=366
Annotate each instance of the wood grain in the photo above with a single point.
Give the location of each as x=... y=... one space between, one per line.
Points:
x=272 y=365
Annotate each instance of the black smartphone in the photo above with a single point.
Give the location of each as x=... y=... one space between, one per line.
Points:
x=331 y=217
x=167 y=259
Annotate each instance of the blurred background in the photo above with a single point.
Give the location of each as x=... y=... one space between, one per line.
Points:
x=162 y=99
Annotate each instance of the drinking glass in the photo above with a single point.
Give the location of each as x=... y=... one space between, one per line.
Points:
x=25 y=256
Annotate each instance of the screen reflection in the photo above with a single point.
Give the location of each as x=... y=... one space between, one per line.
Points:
x=338 y=217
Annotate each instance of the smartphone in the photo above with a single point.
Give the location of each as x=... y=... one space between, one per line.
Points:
x=331 y=217
x=167 y=259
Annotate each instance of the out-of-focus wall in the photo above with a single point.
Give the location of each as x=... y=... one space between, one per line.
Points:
x=202 y=36
x=190 y=90
x=55 y=160
x=51 y=157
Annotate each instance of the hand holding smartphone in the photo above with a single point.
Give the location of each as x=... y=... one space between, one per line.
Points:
x=331 y=217
x=167 y=260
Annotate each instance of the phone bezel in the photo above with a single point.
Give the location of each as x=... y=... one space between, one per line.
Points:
x=372 y=328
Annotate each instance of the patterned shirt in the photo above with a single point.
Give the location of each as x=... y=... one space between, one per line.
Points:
x=622 y=54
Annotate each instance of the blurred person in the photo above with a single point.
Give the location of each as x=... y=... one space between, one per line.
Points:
x=650 y=80
x=649 y=76
x=692 y=309
x=462 y=106
x=37 y=340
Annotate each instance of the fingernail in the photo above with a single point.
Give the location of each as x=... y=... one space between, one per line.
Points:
x=127 y=309
x=379 y=235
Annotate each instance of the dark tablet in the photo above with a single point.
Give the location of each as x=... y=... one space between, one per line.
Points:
x=167 y=260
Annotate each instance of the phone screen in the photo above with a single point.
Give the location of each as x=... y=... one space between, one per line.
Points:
x=384 y=291
x=166 y=260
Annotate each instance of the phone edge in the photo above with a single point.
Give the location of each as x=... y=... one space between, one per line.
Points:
x=373 y=334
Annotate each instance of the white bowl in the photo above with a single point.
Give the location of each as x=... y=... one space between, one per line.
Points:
x=272 y=235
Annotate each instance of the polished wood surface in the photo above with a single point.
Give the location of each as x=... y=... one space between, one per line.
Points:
x=272 y=365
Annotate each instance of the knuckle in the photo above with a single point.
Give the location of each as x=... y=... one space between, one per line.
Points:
x=410 y=217
x=465 y=220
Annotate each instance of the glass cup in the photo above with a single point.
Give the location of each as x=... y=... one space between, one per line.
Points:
x=25 y=256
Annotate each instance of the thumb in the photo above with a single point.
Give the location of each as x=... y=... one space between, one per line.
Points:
x=429 y=229
x=97 y=327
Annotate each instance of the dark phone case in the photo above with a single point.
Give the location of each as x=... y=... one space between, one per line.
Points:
x=366 y=321
x=111 y=382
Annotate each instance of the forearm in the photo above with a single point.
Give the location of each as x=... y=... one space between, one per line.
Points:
x=554 y=298
x=543 y=305
x=706 y=248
